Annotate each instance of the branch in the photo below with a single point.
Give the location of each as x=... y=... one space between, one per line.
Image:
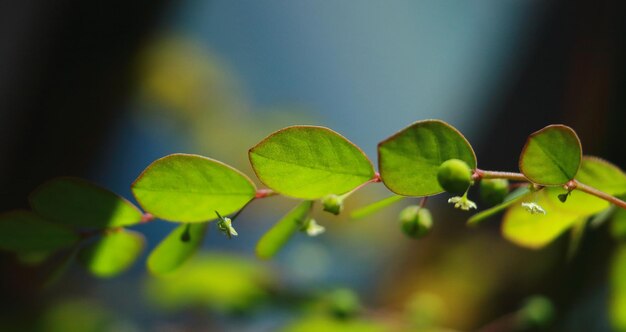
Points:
x=574 y=184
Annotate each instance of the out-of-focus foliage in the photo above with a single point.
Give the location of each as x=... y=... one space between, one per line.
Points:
x=76 y=202
x=221 y=282
x=113 y=253
x=274 y=239
x=618 y=289
x=177 y=248
x=27 y=232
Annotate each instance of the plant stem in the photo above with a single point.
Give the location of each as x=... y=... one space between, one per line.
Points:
x=481 y=174
x=262 y=193
x=595 y=192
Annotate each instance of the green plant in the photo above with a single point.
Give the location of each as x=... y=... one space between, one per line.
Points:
x=557 y=188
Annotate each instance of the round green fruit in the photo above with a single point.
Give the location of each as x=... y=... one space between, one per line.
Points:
x=415 y=221
x=454 y=176
x=493 y=191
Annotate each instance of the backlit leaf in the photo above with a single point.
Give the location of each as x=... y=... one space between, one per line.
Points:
x=309 y=162
x=375 y=207
x=113 y=253
x=409 y=160
x=177 y=248
x=78 y=202
x=551 y=155
x=281 y=232
x=190 y=188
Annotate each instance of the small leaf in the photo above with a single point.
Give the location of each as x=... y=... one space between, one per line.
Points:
x=173 y=251
x=189 y=188
x=375 y=207
x=281 y=232
x=551 y=155
x=410 y=159
x=310 y=162
x=25 y=231
x=78 y=202
x=514 y=197
x=113 y=253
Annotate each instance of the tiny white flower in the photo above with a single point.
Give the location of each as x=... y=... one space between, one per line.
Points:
x=313 y=228
x=533 y=208
x=461 y=202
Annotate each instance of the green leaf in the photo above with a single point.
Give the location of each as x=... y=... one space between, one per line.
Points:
x=536 y=231
x=190 y=188
x=551 y=155
x=604 y=175
x=512 y=198
x=310 y=162
x=177 y=248
x=409 y=160
x=375 y=207
x=618 y=289
x=25 y=231
x=113 y=253
x=281 y=232
x=78 y=202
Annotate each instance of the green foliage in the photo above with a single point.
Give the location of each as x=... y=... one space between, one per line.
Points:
x=375 y=207
x=602 y=175
x=514 y=197
x=536 y=231
x=538 y=311
x=77 y=202
x=559 y=189
x=176 y=248
x=225 y=283
x=409 y=160
x=27 y=232
x=618 y=289
x=113 y=253
x=316 y=323
x=190 y=188
x=551 y=155
x=309 y=162
x=283 y=230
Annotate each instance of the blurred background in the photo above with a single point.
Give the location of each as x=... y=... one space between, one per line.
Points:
x=101 y=89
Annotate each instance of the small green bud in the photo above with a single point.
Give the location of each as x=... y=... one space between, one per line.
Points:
x=538 y=311
x=454 y=176
x=344 y=303
x=493 y=191
x=415 y=221
x=332 y=203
